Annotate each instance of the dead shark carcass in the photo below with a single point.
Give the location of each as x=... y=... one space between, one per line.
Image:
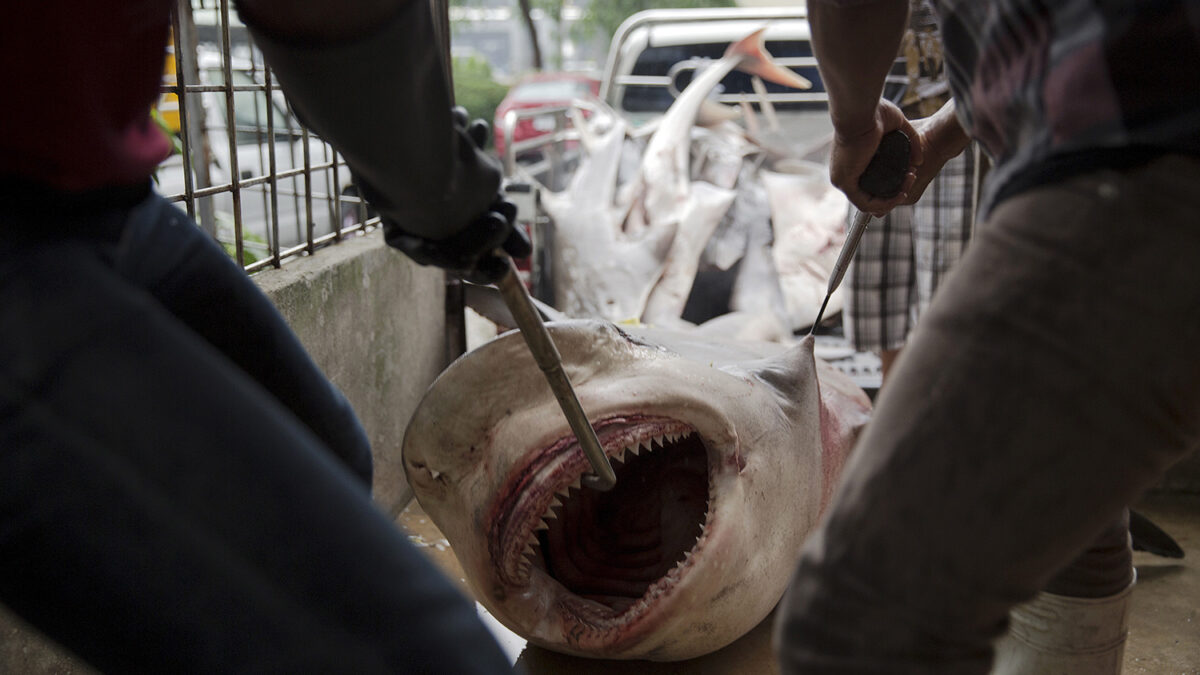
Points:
x=631 y=251
x=725 y=456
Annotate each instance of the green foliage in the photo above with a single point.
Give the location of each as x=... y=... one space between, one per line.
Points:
x=176 y=144
x=254 y=247
x=474 y=88
x=603 y=17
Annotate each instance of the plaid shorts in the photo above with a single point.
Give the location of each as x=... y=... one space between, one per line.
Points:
x=903 y=257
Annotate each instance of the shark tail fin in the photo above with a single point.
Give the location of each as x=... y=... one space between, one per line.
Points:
x=1151 y=538
x=756 y=61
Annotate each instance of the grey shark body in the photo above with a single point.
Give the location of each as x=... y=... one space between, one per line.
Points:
x=725 y=454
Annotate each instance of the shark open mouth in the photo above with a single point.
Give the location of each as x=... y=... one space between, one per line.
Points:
x=616 y=552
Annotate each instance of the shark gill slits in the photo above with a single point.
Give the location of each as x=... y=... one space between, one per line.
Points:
x=612 y=546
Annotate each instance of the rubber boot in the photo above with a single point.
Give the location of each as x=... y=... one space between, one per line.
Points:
x=1062 y=635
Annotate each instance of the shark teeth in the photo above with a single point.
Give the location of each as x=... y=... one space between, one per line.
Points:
x=650 y=444
x=530 y=554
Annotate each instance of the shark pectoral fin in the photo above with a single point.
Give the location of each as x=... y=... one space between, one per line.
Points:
x=712 y=113
x=757 y=61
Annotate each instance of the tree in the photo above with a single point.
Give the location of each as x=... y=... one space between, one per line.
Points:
x=475 y=89
x=553 y=9
x=527 y=16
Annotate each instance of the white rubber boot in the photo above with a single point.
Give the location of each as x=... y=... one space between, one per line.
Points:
x=1060 y=635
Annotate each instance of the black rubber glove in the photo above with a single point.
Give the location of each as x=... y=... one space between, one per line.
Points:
x=425 y=175
x=471 y=253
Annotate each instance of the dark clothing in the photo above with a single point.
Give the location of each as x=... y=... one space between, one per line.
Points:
x=1054 y=377
x=1052 y=380
x=419 y=171
x=181 y=489
x=80 y=78
x=1054 y=89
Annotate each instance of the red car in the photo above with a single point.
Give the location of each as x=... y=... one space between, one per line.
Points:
x=536 y=91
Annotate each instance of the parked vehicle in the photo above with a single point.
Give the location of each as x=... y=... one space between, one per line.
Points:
x=539 y=90
x=655 y=53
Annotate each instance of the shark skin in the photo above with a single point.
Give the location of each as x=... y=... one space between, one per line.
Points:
x=808 y=216
x=725 y=453
x=600 y=270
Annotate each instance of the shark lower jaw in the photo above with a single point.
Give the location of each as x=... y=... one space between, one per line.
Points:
x=608 y=558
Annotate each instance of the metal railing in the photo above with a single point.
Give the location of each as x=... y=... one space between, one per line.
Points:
x=616 y=73
x=248 y=172
x=542 y=155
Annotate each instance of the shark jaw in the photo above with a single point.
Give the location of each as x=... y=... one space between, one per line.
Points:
x=737 y=449
x=605 y=561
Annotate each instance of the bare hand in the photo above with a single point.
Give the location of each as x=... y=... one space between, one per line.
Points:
x=852 y=152
x=941 y=139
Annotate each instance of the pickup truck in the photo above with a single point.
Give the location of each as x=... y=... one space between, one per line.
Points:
x=652 y=58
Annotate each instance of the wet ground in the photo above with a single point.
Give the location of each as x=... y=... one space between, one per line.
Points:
x=1164 y=634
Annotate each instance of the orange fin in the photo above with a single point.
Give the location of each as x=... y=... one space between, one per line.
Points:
x=756 y=61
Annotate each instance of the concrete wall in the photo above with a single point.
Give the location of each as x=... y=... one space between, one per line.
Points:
x=374 y=322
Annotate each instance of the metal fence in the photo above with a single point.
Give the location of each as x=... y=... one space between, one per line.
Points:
x=249 y=173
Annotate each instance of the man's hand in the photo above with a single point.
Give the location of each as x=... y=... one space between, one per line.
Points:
x=471 y=253
x=851 y=154
x=941 y=138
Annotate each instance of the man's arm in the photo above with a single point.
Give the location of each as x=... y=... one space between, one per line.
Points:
x=319 y=21
x=368 y=76
x=855 y=44
x=941 y=138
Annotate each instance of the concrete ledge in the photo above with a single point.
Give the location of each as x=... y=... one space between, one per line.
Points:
x=374 y=321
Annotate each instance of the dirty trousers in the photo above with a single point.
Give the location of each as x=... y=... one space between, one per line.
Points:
x=181 y=489
x=1054 y=379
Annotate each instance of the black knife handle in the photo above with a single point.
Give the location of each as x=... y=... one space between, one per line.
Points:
x=884 y=175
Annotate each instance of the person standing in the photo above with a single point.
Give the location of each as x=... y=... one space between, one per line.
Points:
x=903 y=257
x=181 y=489
x=1020 y=422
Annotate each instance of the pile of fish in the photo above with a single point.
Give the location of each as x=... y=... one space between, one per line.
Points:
x=650 y=213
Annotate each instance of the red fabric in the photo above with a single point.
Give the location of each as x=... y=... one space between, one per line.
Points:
x=80 y=77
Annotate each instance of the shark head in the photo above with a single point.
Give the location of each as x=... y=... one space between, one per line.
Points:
x=725 y=455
